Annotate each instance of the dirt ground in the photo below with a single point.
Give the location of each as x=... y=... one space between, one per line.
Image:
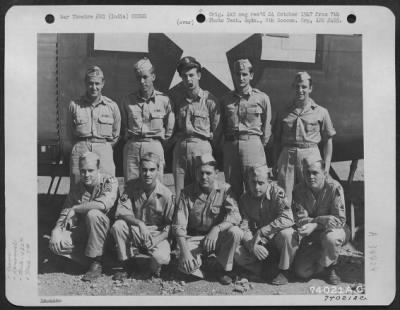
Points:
x=61 y=277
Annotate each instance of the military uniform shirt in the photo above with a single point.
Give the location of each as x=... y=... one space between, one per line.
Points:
x=198 y=212
x=269 y=214
x=101 y=119
x=329 y=204
x=247 y=114
x=306 y=128
x=197 y=117
x=155 y=210
x=148 y=118
x=105 y=192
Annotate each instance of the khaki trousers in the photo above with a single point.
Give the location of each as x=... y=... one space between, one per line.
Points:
x=319 y=250
x=285 y=241
x=128 y=241
x=87 y=238
x=227 y=243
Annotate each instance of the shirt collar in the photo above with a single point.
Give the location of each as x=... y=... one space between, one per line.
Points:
x=151 y=98
x=247 y=94
x=312 y=105
x=96 y=102
x=138 y=191
x=198 y=96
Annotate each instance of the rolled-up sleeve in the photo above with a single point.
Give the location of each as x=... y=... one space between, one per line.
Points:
x=327 y=129
x=215 y=117
x=180 y=221
x=231 y=207
x=169 y=214
x=68 y=204
x=169 y=121
x=108 y=194
x=266 y=118
x=70 y=132
x=116 y=128
x=284 y=218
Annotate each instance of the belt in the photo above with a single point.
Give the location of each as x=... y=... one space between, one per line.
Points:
x=193 y=136
x=93 y=140
x=144 y=139
x=303 y=145
x=231 y=138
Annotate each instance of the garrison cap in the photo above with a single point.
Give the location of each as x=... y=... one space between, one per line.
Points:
x=205 y=159
x=242 y=64
x=258 y=171
x=301 y=76
x=312 y=159
x=89 y=156
x=143 y=64
x=94 y=71
x=154 y=158
x=186 y=63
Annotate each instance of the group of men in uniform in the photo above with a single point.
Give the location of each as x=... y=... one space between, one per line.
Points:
x=238 y=221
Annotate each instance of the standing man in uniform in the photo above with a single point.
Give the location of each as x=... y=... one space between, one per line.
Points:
x=83 y=222
x=298 y=130
x=320 y=215
x=93 y=124
x=267 y=221
x=197 y=115
x=246 y=122
x=206 y=222
x=148 y=121
x=143 y=218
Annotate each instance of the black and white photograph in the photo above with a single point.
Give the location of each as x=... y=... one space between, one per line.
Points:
x=206 y=163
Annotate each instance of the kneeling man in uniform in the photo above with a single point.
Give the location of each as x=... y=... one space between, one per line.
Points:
x=320 y=215
x=83 y=222
x=206 y=222
x=267 y=220
x=143 y=218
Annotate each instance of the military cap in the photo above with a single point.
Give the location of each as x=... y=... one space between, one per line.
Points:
x=94 y=71
x=151 y=157
x=89 y=156
x=302 y=76
x=311 y=160
x=186 y=63
x=258 y=171
x=205 y=159
x=143 y=64
x=242 y=64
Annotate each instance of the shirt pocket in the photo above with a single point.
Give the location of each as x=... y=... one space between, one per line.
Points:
x=214 y=212
x=253 y=115
x=82 y=124
x=201 y=120
x=156 y=120
x=105 y=125
x=311 y=126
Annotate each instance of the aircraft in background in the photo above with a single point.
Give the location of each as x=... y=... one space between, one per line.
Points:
x=333 y=61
